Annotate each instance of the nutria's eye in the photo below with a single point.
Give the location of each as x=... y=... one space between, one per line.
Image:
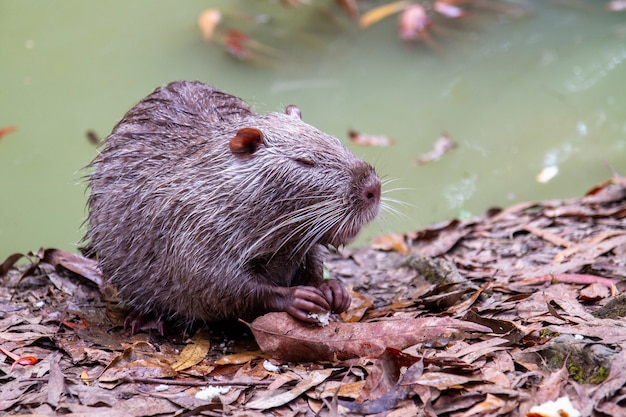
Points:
x=305 y=162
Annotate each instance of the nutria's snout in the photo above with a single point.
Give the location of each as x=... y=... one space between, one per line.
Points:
x=369 y=187
x=372 y=190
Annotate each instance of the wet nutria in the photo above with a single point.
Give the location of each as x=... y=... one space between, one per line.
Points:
x=202 y=209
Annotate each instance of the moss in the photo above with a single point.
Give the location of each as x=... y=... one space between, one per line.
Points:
x=548 y=333
x=576 y=373
x=599 y=376
x=586 y=363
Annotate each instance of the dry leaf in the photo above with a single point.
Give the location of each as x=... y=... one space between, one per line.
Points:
x=208 y=21
x=283 y=337
x=359 y=305
x=239 y=358
x=616 y=5
x=274 y=400
x=368 y=140
x=195 y=352
x=377 y=14
x=395 y=242
x=6 y=130
x=413 y=23
x=349 y=7
x=442 y=146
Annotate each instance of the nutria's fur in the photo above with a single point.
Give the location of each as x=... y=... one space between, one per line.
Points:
x=202 y=209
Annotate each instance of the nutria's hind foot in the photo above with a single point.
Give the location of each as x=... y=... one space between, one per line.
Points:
x=137 y=321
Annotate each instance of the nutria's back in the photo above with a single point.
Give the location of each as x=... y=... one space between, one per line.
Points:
x=202 y=209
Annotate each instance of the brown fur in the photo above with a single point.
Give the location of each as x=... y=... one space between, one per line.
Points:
x=185 y=228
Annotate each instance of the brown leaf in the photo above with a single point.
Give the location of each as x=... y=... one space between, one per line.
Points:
x=368 y=140
x=377 y=14
x=594 y=246
x=395 y=242
x=284 y=337
x=359 y=305
x=501 y=327
x=594 y=292
x=616 y=5
x=442 y=146
x=194 y=352
x=265 y=402
x=349 y=7
x=239 y=358
x=56 y=381
x=6 y=130
x=137 y=361
x=207 y=23
x=390 y=382
x=85 y=267
x=490 y=403
x=9 y=262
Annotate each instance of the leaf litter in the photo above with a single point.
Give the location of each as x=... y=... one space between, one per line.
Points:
x=491 y=316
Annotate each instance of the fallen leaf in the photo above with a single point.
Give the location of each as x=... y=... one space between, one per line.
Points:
x=239 y=358
x=208 y=21
x=368 y=140
x=547 y=174
x=6 y=130
x=442 y=146
x=349 y=7
x=616 y=5
x=92 y=137
x=193 y=353
x=359 y=305
x=9 y=262
x=139 y=360
x=448 y=10
x=283 y=337
x=85 y=267
x=594 y=246
x=490 y=403
x=395 y=242
x=56 y=381
x=594 y=292
x=266 y=402
x=413 y=23
x=379 y=13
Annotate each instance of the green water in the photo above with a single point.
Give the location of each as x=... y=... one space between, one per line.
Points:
x=517 y=95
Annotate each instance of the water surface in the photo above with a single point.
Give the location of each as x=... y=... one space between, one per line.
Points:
x=517 y=95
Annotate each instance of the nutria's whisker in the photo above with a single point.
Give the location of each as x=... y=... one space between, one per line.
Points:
x=201 y=209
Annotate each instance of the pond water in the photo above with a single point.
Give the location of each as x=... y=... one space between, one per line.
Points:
x=517 y=95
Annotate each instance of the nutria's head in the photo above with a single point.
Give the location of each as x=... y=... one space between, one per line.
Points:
x=313 y=189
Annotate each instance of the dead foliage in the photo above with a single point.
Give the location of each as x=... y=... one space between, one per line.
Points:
x=483 y=317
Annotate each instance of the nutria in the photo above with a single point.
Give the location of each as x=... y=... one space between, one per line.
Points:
x=201 y=209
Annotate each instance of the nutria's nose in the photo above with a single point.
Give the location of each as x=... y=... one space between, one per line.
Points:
x=372 y=189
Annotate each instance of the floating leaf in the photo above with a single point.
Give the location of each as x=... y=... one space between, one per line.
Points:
x=379 y=13
x=6 y=130
x=368 y=140
x=442 y=146
x=208 y=21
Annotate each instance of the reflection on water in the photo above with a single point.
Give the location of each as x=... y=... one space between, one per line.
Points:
x=536 y=105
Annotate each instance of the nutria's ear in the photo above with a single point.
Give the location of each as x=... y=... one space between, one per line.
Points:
x=246 y=142
x=293 y=110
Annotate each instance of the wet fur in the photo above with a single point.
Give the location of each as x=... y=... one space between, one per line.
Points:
x=184 y=229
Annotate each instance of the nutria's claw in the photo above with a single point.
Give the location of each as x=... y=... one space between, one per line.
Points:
x=136 y=322
x=305 y=300
x=337 y=295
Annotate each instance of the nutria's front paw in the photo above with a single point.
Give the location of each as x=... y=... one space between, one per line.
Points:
x=337 y=295
x=304 y=300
